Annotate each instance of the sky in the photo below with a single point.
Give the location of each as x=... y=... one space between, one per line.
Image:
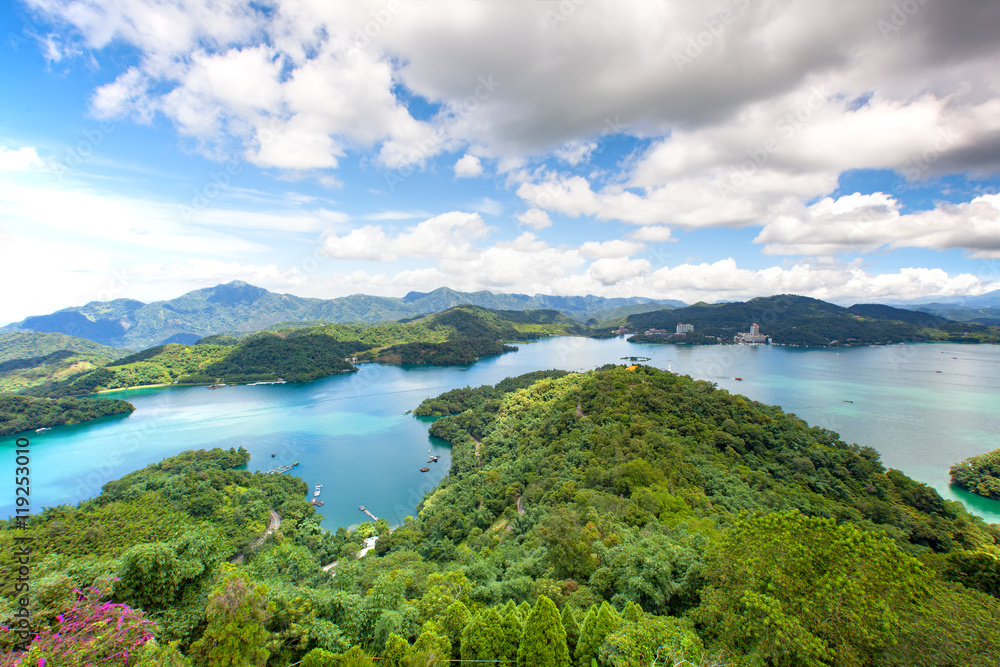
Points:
x=718 y=150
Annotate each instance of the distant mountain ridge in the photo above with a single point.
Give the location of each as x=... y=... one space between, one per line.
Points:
x=240 y=307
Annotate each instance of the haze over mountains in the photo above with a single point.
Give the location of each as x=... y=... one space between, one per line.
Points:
x=240 y=307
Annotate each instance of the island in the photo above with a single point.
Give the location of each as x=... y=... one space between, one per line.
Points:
x=979 y=474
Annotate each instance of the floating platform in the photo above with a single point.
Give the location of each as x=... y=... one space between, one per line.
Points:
x=317 y=502
x=425 y=470
x=373 y=517
x=433 y=459
x=281 y=469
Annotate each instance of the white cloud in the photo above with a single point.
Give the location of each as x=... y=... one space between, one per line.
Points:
x=468 y=166
x=653 y=234
x=575 y=152
x=21 y=159
x=444 y=236
x=867 y=222
x=610 y=249
x=610 y=271
x=535 y=218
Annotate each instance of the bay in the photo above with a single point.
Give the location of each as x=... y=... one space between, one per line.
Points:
x=923 y=407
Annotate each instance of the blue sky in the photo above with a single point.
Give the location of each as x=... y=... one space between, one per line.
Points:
x=717 y=150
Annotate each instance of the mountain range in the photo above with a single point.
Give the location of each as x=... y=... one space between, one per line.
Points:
x=240 y=308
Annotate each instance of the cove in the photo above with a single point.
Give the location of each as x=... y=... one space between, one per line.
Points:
x=923 y=407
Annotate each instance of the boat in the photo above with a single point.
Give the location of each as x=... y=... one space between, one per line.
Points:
x=316 y=491
x=317 y=503
x=273 y=454
x=848 y=401
x=433 y=459
x=738 y=378
x=44 y=428
x=424 y=469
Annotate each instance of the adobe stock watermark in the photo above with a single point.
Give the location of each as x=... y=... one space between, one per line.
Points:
x=78 y=153
x=785 y=128
x=565 y=9
x=901 y=14
x=713 y=28
x=362 y=36
x=484 y=90
x=217 y=183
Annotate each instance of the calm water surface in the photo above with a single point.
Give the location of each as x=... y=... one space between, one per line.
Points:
x=923 y=407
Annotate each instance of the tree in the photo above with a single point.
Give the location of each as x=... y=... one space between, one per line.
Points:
x=483 y=637
x=432 y=646
x=149 y=575
x=571 y=627
x=237 y=612
x=160 y=655
x=512 y=629
x=598 y=625
x=543 y=642
x=395 y=649
x=795 y=589
x=456 y=617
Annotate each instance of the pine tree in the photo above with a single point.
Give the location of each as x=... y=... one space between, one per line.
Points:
x=543 y=642
x=512 y=629
x=603 y=623
x=395 y=650
x=632 y=612
x=483 y=637
x=456 y=617
x=523 y=611
x=571 y=627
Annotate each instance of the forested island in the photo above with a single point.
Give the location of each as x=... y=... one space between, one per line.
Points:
x=979 y=474
x=604 y=517
x=23 y=413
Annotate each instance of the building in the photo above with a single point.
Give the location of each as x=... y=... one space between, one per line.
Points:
x=685 y=328
x=755 y=337
x=656 y=332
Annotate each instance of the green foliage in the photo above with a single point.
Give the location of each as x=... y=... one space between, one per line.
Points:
x=543 y=642
x=979 y=474
x=23 y=413
x=483 y=637
x=787 y=587
x=638 y=642
x=571 y=627
x=237 y=613
x=597 y=626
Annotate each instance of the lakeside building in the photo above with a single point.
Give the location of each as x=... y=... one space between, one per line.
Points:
x=755 y=337
x=657 y=332
x=685 y=328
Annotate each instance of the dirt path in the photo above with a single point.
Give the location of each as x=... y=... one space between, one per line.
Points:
x=272 y=526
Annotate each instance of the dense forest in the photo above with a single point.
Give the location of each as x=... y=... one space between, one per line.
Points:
x=799 y=320
x=23 y=413
x=616 y=517
x=979 y=474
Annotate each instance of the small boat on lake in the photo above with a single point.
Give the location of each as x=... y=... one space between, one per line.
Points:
x=738 y=378
x=424 y=469
x=316 y=491
x=44 y=428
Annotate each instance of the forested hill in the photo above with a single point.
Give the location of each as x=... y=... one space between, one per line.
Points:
x=618 y=517
x=798 y=320
x=243 y=308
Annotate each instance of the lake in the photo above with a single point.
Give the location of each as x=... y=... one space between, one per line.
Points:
x=923 y=407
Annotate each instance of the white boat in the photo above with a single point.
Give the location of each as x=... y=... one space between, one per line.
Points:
x=44 y=428
x=317 y=490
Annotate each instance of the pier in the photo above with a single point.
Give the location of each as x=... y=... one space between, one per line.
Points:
x=282 y=469
x=373 y=517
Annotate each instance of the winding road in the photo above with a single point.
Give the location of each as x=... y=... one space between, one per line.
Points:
x=272 y=526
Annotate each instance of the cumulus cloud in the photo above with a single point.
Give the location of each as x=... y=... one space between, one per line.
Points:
x=20 y=159
x=449 y=235
x=535 y=218
x=866 y=222
x=468 y=166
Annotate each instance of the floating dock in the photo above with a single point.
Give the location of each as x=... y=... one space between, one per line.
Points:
x=281 y=469
x=373 y=517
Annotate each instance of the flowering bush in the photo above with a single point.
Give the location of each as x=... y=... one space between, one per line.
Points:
x=92 y=632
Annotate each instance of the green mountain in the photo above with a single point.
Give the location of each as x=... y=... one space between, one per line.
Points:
x=239 y=307
x=798 y=320
x=616 y=517
x=30 y=359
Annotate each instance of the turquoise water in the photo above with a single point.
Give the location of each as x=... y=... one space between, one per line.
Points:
x=350 y=432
